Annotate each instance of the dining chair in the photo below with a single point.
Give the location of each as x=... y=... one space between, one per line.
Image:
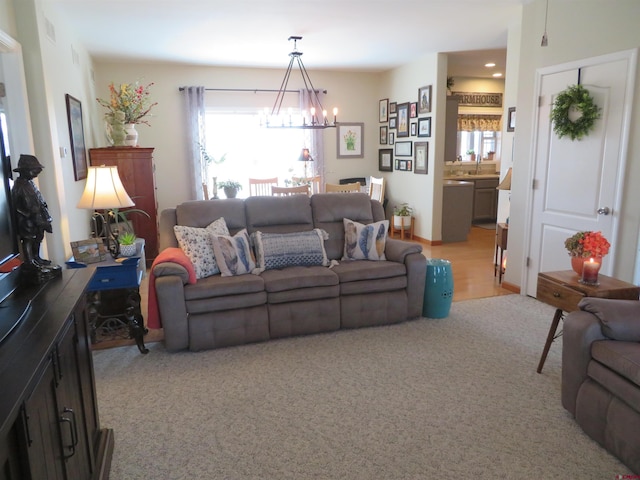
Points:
x=286 y=191
x=313 y=182
x=346 y=188
x=261 y=187
x=205 y=190
x=376 y=189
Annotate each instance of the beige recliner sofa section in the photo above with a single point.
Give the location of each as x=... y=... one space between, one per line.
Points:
x=222 y=311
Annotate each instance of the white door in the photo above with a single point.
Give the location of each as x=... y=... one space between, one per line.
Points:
x=576 y=184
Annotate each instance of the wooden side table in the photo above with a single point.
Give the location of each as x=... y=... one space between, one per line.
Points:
x=502 y=232
x=563 y=290
x=402 y=230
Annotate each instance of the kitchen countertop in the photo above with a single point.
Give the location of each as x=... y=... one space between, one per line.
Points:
x=471 y=177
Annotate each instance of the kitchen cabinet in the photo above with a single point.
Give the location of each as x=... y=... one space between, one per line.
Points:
x=451 y=130
x=457 y=209
x=48 y=411
x=485 y=200
x=137 y=172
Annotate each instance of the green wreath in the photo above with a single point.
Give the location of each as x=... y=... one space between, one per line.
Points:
x=578 y=97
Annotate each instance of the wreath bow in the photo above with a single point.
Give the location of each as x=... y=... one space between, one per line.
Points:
x=578 y=97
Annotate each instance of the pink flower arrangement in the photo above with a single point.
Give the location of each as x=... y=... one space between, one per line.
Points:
x=587 y=244
x=131 y=99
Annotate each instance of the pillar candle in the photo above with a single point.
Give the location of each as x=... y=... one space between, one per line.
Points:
x=590 y=271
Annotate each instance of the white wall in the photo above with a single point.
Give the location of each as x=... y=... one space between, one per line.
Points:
x=576 y=30
x=353 y=93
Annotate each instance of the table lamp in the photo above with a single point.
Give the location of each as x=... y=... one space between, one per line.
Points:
x=305 y=157
x=104 y=191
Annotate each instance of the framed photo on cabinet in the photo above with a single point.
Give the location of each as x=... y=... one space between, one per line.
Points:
x=421 y=157
x=385 y=159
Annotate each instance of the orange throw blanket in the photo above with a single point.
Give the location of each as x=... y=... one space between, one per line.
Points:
x=174 y=255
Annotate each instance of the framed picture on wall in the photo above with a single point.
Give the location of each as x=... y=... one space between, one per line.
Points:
x=403 y=120
x=413 y=110
x=424 y=127
x=421 y=157
x=393 y=122
x=424 y=99
x=384 y=135
x=392 y=138
x=393 y=108
x=385 y=159
x=414 y=128
x=404 y=149
x=383 y=110
x=511 y=119
x=76 y=135
x=350 y=140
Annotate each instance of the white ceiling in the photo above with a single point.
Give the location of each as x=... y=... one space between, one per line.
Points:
x=367 y=35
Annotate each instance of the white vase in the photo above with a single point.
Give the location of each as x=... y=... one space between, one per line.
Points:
x=402 y=222
x=131 y=140
x=128 y=250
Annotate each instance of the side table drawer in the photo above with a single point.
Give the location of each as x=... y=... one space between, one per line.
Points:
x=124 y=275
x=558 y=295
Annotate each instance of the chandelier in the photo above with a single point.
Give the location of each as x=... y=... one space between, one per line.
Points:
x=317 y=117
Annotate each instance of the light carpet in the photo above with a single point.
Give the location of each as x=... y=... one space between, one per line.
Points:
x=426 y=399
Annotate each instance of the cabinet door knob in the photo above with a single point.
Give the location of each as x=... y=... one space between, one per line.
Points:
x=556 y=294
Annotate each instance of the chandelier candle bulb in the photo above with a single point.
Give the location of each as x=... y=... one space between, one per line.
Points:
x=590 y=271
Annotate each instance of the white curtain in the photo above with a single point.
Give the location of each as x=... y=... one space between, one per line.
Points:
x=314 y=137
x=195 y=115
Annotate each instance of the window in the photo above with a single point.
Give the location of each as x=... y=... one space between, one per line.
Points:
x=250 y=149
x=482 y=143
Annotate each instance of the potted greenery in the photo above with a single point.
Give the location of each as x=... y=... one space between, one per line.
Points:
x=472 y=155
x=402 y=216
x=230 y=188
x=127 y=244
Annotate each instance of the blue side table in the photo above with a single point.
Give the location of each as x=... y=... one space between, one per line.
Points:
x=114 y=297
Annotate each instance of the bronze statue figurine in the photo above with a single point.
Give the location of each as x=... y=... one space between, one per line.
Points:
x=32 y=218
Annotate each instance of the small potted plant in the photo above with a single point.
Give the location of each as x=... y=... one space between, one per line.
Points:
x=472 y=155
x=402 y=216
x=127 y=242
x=230 y=188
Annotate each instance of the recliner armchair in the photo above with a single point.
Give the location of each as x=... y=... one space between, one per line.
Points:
x=601 y=374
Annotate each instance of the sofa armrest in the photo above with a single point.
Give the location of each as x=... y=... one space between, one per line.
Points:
x=173 y=311
x=416 y=264
x=580 y=330
x=165 y=269
x=620 y=319
x=396 y=250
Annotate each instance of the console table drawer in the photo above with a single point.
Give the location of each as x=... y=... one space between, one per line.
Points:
x=558 y=295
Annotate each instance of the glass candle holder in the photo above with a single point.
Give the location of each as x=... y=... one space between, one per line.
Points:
x=590 y=271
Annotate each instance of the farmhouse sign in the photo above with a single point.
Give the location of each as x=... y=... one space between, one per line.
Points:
x=479 y=99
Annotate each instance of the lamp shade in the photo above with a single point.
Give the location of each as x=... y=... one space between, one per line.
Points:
x=305 y=156
x=505 y=184
x=104 y=190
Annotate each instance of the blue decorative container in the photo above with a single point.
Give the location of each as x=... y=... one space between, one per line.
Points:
x=438 y=289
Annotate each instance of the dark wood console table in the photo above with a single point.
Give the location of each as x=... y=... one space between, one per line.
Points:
x=49 y=423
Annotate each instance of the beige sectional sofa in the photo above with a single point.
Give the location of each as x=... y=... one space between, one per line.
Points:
x=218 y=311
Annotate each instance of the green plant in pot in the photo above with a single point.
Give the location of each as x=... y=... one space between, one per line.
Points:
x=402 y=216
x=127 y=244
x=230 y=187
x=472 y=155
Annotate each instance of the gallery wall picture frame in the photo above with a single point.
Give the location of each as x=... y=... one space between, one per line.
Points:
x=383 y=110
x=404 y=165
x=384 y=135
x=393 y=108
x=424 y=99
x=403 y=120
x=413 y=110
x=76 y=135
x=424 y=127
x=511 y=119
x=385 y=159
x=392 y=138
x=404 y=149
x=421 y=158
x=350 y=140
x=393 y=122
x=91 y=250
x=414 y=128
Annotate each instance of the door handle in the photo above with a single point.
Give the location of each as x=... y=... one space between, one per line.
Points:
x=604 y=211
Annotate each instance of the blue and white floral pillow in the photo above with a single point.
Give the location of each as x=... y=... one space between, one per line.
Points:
x=234 y=254
x=197 y=246
x=364 y=242
x=280 y=250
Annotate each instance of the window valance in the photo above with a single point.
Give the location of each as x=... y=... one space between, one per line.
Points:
x=483 y=123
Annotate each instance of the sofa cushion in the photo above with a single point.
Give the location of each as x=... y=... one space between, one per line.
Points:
x=234 y=254
x=364 y=242
x=356 y=271
x=621 y=357
x=298 y=277
x=196 y=244
x=281 y=250
x=218 y=286
x=279 y=214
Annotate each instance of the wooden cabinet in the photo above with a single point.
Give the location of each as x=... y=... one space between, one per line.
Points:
x=485 y=200
x=137 y=172
x=48 y=410
x=451 y=130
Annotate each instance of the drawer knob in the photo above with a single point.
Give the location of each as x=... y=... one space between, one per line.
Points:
x=556 y=294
